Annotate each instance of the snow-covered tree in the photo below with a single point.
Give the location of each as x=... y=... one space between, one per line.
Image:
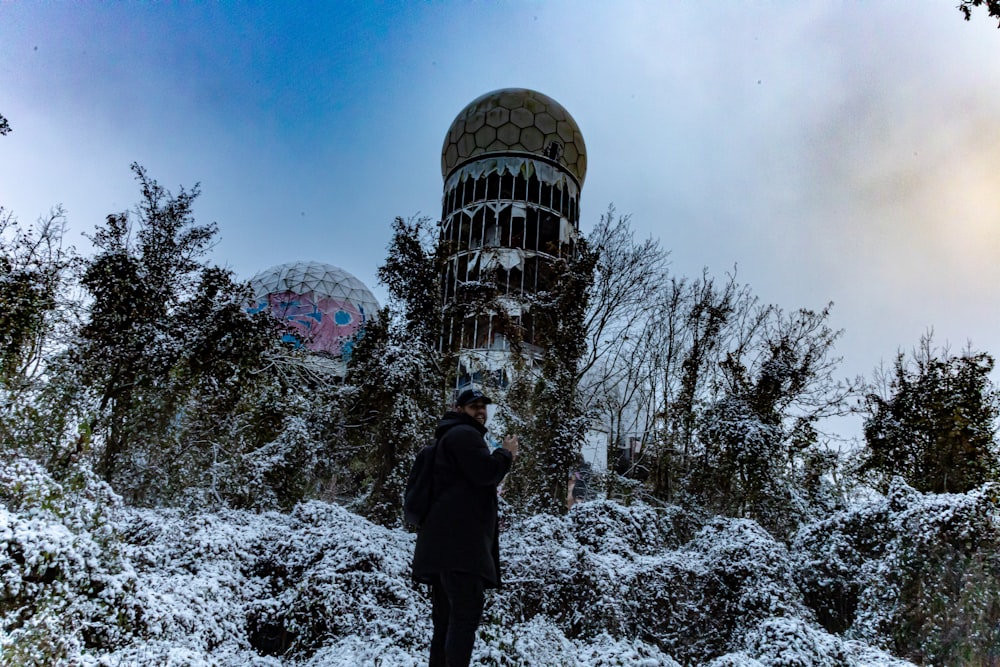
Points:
x=933 y=422
x=552 y=412
x=36 y=309
x=143 y=273
x=615 y=371
x=189 y=397
x=752 y=440
x=396 y=379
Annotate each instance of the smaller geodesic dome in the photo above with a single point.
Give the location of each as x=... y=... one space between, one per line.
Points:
x=323 y=307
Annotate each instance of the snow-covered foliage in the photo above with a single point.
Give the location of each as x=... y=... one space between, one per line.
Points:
x=87 y=581
x=66 y=588
x=916 y=574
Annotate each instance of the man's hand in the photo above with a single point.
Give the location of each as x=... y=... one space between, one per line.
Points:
x=510 y=443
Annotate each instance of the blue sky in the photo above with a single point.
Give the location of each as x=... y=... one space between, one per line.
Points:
x=834 y=151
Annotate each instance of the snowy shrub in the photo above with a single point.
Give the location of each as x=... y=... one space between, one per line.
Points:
x=731 y=576
x=581 y=570
x=609 y=527
x=747 y=562
x=830 y=557
x=65 y=588
x=917 y=574
x=672 y=610
x=611 y=570
x=344 y=577
x=191 y=571
x=89 y=582
x=364 y=651
x=860 y=654
x=738 y=659
x=540 y=643
x=278 y=473
x=539 y=557
x=792 y=642
x=237 y=586
x=789 y=642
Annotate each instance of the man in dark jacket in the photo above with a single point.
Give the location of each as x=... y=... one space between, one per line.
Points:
x=458 y=548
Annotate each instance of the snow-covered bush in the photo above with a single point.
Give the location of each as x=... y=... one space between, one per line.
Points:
x=610 y=527
x=193 y=570
x=917 y=574
x=696 y=602
x=609 y=569
x=831 y=556
x=790 y=642
x=603 y=586
x=540 y=642
x=65 y=587
x=581 y=570
x=341 y=576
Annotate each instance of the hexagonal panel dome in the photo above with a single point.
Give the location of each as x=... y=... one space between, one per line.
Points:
x=322 y=305
x=515 y=120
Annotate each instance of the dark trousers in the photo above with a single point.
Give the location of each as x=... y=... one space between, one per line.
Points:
x=458 y=600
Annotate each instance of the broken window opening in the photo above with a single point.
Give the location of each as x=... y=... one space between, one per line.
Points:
x=456 y=333
x=546 y=195
x=530 y=279
x=454 y=237
x=548 y=231
x=464 y=232
x=520 y=187
x=469 y=333
x=449 y=203
x=468 y=191
x=491 y=235
x=461 y=268
x=515 y=280
x=545 y=276
x=506 y=186
x=493 y=186
x=503 y=220
x=528 y=328
x=479 y=331
x=516 y=232
x=476 y=239
x=554 y=150
x=534 y=190
x=488 y=338
x=450 y=278
x=531 y=230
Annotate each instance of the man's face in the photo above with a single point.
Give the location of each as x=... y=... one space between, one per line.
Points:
x=476 y=410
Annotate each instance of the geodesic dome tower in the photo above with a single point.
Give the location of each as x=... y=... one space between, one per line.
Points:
x=513 y=164
x=322 y=306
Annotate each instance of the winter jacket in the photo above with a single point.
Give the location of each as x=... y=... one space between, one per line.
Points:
x=460 y=532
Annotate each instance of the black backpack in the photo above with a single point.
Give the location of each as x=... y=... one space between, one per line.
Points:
x=420 y=486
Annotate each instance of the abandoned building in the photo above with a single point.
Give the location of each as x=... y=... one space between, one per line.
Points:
x=513 y=164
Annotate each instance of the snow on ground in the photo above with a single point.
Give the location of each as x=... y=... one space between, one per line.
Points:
x=88 y=581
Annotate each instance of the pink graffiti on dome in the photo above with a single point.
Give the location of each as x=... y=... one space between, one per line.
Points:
x=321 y=323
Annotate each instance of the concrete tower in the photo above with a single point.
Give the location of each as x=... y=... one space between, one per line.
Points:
x=513 y=164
